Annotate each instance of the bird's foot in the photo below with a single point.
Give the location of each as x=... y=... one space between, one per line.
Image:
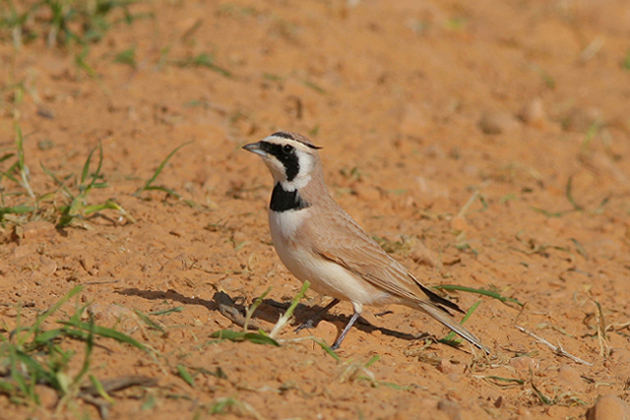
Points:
x=307 y=324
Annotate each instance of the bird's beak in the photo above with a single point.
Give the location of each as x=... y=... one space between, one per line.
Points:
x=255 y=148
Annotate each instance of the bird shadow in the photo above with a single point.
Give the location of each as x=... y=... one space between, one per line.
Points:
x=268 y=311
x=303 y=313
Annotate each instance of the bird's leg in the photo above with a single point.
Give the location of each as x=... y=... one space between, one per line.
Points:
x=345 y=330
x=310 y=323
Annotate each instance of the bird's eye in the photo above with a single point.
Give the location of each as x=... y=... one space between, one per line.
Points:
x=287 y=148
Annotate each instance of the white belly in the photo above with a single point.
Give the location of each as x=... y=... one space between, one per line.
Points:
x=326 y=277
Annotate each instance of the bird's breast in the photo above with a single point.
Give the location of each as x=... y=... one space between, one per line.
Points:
x=285 y=225
x=292 y=248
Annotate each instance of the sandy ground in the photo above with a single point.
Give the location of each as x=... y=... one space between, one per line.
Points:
x=486 y=144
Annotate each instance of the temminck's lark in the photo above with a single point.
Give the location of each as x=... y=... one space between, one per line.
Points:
x=319 y=242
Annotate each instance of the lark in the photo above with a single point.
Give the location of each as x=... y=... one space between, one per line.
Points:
x=318 y=241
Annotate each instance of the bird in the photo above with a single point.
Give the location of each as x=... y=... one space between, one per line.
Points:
x=320 y=243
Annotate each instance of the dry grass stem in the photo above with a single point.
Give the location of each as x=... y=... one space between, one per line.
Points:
x=556 y=349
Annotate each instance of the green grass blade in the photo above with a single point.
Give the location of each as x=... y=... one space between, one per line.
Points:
x=105 y=332
x=89 y=345
x=450 y=338
x=97 y=174
x=101 y=391
x=16 y=373
x=108 y=205
x=6 y=156
x=167 y=311
x=6 y=387
x=185 y=375
x=543 y=398
x=60 y=184
x=8 y=173
x=284 y=319
x=149 y=321
x=41 y=318
x=252 y=308
x=373 y=360
x=164 y=189
x=21 y=209
x=159 y=169
x=19 y=140
x=86 y=165
x=327 y=349
x=549 y=213
x=502 y=382
x=37 y=371
x=483 y=292
x=238 y=336
x=47 y=337
x=569 y=195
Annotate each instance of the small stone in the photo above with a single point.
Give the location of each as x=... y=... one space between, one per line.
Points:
x=21 y=251
x=459 y=224
x=37 y=228
x=109 y=313
x=445 y=366
x=11 y=313
x=431 y=189
x=239 y=237
x=87 y=262
x=571 y=379
x=451 y=409
x=48 y=266
x=454 y=377
x=455 y=394
x=620 y=355
x=523 y=364
x=609 y=407
x=47 y=396
x=327 y=331
x=424 y=256
x=366 y=192
x=414 y=122
x=497 y=123
x=579 y=120
x=534 y=115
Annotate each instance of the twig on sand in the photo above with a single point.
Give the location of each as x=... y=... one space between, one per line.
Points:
x=556 y=349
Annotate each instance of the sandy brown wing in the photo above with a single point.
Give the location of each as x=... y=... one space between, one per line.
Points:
x=338 y=238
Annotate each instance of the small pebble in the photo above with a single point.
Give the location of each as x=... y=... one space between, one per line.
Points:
x=497 y=123
x=534 y=115
x=571 y=379
x=609 y=407
x=459 y=224
x=451 y=409
x=415 y=122
x=523 y=364
x=445 y=366
x=366 y=192
x=47 y=396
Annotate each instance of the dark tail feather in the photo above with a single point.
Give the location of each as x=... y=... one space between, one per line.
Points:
x=439 y=315
x=435 y=298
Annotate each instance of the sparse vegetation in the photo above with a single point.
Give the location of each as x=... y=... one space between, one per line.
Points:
x=33 y=355
x=75 y=205
x=65 y=22
x=203 y=60
x=148 y=186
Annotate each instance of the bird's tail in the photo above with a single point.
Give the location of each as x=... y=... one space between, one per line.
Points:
x=445 y=319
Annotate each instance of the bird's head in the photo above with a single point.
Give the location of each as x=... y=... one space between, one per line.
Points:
x=290 y=157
